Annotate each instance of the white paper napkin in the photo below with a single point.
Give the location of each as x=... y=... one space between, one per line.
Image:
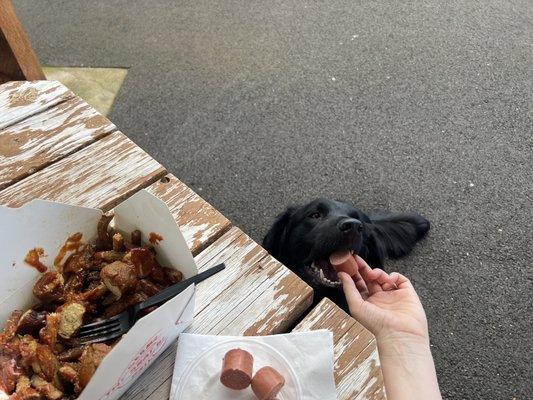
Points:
x=305 y=359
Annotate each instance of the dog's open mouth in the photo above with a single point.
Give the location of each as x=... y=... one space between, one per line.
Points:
x=323 y=272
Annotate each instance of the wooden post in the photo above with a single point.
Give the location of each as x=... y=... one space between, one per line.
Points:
x=17 y=60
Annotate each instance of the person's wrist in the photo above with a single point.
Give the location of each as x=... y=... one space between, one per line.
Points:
x=394 y=343
x=407 y=366
x=409 y=336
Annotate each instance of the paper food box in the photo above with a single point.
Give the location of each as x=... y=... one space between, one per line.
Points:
x=47 y=225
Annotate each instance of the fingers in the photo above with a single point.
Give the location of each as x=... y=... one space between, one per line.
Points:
x=400 y=280
x=376 y=279
x=360 y=285
x=353 y=297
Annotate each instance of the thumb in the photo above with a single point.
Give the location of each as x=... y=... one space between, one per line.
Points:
x=353 y=297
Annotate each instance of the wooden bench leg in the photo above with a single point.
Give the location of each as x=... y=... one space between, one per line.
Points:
x=17 y=59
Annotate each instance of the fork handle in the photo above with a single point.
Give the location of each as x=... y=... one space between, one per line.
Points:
x=171 y=291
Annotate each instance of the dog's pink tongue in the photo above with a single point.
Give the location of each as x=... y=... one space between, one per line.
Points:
x=343 y=261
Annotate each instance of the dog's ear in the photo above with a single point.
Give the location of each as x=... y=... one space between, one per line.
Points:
x=393 y=235
x=373 y=250
x=273 y=241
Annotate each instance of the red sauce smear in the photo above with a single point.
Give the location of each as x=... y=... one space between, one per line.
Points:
x=33 y=259
x=154 y=238
x=73 y=243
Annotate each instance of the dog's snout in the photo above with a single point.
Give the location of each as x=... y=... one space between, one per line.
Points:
x=350 y=225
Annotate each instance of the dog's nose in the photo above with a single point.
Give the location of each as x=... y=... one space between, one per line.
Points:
x=350 y=225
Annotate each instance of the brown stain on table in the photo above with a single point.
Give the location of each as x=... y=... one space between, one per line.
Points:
x=11 y=144
x=256 y=251
x=95 y=122
x=24 y=98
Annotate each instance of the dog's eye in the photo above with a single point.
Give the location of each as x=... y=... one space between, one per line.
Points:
x=314 y=215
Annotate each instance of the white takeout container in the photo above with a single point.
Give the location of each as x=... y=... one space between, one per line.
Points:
x=46 y=224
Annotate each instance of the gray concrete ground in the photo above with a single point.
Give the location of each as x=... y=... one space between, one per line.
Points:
x=422 y=105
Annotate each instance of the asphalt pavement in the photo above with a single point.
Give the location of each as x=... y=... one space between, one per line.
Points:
x=422 y=105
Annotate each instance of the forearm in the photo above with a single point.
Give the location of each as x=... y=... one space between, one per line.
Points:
x=408 y=368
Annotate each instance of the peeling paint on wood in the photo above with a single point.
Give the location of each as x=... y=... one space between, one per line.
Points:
x=39 y=140
x=327 y=315
x=363 y=377
x=200 y=223
x=239 y=255
x=347 y=349
x=266 y=299
x=100 y=175
x=375 y=388
x=21 y=99
x=357 y=368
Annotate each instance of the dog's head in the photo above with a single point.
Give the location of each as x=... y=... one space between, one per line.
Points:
x=304 y=237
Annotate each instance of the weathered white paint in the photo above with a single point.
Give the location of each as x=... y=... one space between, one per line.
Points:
x=99 y=175
x=19 y=100
x=39 y=140
x=327 y=315
x=362 y=377
x=239 y=255
x=200 y=223
x=374 y=387
x=357 y=370
x=265 y=299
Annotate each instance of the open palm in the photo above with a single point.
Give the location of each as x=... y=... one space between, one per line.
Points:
x=385 y=304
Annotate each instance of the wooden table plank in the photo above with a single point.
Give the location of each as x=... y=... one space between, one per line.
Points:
x=357 y=367
x=200 y=223
x=100 y=175
x=39 y=140
x=19 y=100
x=327 y=314
x=238 y=252
x=266 y=299
x=255 y=294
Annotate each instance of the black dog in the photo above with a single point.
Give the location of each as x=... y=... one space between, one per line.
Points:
x=304 y=237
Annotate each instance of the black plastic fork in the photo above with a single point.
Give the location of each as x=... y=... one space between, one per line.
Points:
x=118 y=325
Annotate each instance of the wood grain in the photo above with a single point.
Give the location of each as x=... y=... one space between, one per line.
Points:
x=238 y=252
x=255 y=294
x=17 y=58
x=327 y=315
x=200 y=223
x=357 y=367
x=41 y=139
x=100 y=175
x=19 y=100
x=267 y=298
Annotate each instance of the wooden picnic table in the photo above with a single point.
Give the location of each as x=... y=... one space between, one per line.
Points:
x=54 y=146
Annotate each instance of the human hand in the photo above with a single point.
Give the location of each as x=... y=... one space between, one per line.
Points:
x=387 y=305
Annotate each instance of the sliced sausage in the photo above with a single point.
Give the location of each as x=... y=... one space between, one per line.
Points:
x=343 y=261
x=237 y=369
x=267 y=383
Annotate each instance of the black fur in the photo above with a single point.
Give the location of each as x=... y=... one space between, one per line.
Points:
x=304 y=234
